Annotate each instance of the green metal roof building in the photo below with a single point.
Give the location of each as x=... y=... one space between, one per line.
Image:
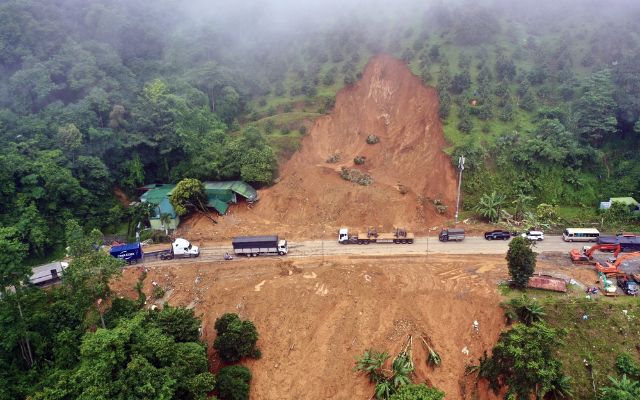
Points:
x=219 y=196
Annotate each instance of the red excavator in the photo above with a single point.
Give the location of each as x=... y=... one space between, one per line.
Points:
x=614 y=268
x=583 y=256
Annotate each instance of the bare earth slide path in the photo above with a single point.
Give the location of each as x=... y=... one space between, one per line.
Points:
x=311 y=197
x=323 y=305
x=315 y=319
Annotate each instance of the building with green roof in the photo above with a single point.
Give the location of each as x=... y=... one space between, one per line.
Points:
x=219 y=196
x=628 y=201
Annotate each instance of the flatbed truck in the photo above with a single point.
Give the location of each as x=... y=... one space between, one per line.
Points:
x=398 y=236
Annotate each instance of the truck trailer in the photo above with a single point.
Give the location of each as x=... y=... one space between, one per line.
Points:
x=253 y=246
x=130 y=252
x=399 y=235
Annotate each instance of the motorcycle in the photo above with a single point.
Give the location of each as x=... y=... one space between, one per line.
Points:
x=228 y=256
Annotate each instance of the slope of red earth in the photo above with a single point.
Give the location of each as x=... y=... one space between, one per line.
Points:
x=314 y=319
x=311 y=197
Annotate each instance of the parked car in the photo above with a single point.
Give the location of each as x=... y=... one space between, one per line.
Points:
x=497 y=235
x=628 y=286
x=534 y=235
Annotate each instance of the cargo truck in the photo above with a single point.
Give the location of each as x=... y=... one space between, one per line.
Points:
x=253 y=246
x=399 y=235
x=450 y=235
x=130 y=252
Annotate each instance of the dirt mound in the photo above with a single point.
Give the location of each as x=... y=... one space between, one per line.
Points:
x=315 y=320
x=391 y=103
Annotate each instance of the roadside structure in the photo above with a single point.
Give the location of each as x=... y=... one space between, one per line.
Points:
x=219 y=195
x=629 y=201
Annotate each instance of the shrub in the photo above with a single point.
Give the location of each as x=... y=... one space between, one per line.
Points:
x=440 y=208
x=359 y=160
x=521 y=261
x=158 y=292
x=233 y=383
x=373 y=139
x=236 y=338
x=355 y=176
x=417 y=392
x=302 y=130
x=334 y=158
x=178 y=322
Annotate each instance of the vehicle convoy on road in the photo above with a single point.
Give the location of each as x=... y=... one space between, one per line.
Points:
x=399 y=235
x=585 y=255
x=451 y=235
x=497 y=235
x=132 y=252
x=535 y=236
x=253 y=246
x=580 y=235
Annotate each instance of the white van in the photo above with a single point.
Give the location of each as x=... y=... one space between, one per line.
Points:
x=534 y=235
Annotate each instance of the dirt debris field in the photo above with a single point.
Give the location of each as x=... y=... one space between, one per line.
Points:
x=314 y=319
x=311 y=197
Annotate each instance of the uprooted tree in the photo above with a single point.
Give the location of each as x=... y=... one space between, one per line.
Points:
x=396 y=383
x=189 y=195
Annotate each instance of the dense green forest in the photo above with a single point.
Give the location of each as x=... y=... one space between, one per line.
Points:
x=103 y=94
x=542 y=98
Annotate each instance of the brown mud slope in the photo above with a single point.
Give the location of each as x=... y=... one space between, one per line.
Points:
x=390 y=102
x=315 y=320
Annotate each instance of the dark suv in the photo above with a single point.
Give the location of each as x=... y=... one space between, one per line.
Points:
x=628 y=286
x=497 y=235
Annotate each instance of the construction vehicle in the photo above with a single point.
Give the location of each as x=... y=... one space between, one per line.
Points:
x=613 y=267
x=399 y=235
x=627 y=242
x=608 y=285
x=585 y=255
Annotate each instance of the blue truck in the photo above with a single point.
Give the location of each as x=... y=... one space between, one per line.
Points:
x=130 y=252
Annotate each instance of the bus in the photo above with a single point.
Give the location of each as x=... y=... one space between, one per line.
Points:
x=580 y=235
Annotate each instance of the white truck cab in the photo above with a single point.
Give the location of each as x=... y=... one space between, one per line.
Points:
x=182 y=247
x=283 y=248
x=343 y=235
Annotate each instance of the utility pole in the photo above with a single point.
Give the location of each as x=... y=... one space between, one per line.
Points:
x=460 y=169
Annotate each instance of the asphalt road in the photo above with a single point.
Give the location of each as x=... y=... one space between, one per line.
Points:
x=421 y=246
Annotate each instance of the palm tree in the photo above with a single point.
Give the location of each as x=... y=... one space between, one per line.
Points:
x=165 y=220
x=371 y=363
x=560 y=388
x=521 y=202
x=490 y=205
x=624 y=388
x=525 y=309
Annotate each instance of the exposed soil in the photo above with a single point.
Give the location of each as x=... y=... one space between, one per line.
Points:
x=315 y=319
x=311 y=197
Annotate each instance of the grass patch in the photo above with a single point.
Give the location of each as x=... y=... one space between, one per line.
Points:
x=599 y=339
